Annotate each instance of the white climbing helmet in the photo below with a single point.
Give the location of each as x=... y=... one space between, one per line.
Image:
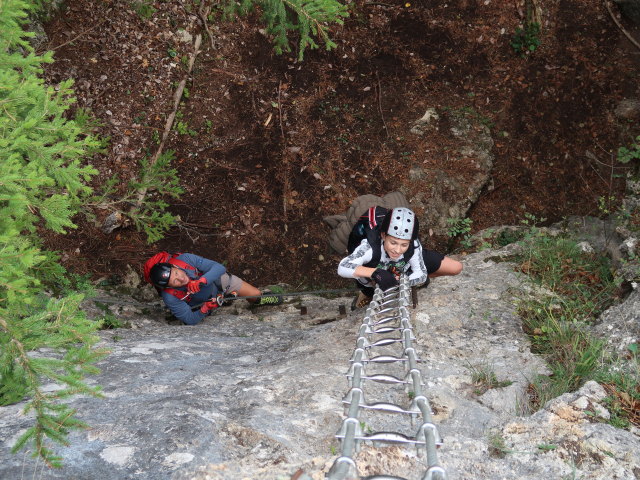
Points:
x=402 y=223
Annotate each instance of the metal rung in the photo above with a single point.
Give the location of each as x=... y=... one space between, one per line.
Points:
x=367 y=330
x=382 y=477
x=385 y=320
x=384 y=407
x=385 y=359
x=384 y=302
x=386 y=437
x=384 y=341
x=381 y=378
x=390 y=290
x=385 y=330
x=385 y=310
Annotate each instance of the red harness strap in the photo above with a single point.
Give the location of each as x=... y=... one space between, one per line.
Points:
x=179 y=263
x=372 y=218
x=179 y=294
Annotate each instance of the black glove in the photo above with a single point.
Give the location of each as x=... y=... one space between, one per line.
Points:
x=384 y=279
x=230 y=296
x=227 y=298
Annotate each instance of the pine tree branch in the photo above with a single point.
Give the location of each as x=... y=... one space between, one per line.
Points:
x=300 y=11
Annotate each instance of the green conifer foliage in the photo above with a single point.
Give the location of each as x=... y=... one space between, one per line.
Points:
x=306 y=18
x=43 y=337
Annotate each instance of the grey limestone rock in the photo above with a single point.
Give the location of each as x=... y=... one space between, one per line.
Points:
x=439 y=194
x=257 y=394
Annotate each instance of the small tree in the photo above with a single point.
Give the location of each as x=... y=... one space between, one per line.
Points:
x=42 y=186
x=150 y=216
x=306 y=18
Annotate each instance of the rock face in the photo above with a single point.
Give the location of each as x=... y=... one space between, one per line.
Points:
x=440 y=194
x=620 y=325
x=256 y=394
x=259 y=388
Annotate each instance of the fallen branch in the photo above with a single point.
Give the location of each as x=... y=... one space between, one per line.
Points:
x=106 y=15
x=380 y=105
x=169 y=123
x=203 y=13
x=627 y=34
x=280 y=109
x=285 y=183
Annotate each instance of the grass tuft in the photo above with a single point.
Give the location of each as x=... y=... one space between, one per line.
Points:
x=581 y=286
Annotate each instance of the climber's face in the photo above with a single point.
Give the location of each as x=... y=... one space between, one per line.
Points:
x=178 y=278
x=395 y=247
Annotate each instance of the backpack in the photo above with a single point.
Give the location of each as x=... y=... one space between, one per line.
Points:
x=368 y=226
x=166 y=257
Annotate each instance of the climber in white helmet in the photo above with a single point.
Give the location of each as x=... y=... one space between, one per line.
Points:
x=379 y=253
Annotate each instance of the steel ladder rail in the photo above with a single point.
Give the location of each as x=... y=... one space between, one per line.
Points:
x=350 y=434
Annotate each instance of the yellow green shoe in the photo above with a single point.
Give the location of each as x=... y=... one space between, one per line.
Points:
x=269 y=299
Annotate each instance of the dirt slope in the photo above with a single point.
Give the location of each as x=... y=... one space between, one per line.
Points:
x=266 y=146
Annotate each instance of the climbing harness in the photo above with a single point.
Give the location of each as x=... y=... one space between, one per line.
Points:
x=388 y=313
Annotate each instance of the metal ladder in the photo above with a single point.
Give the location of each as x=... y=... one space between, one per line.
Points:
x=386 y=324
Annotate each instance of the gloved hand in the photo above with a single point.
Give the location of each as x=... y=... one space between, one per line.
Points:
x=384 y=279
x=209 y=305
x=194 y=285
x=229 y=296
x=396 y=273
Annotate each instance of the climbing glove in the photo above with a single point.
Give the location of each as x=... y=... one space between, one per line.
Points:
x=194 y=285
x=384 y=279
x=209 y=305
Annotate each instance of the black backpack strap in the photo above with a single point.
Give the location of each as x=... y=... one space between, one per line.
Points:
x=368 y=222
x=409 y=253
x=356 y=236
x=374 y=240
